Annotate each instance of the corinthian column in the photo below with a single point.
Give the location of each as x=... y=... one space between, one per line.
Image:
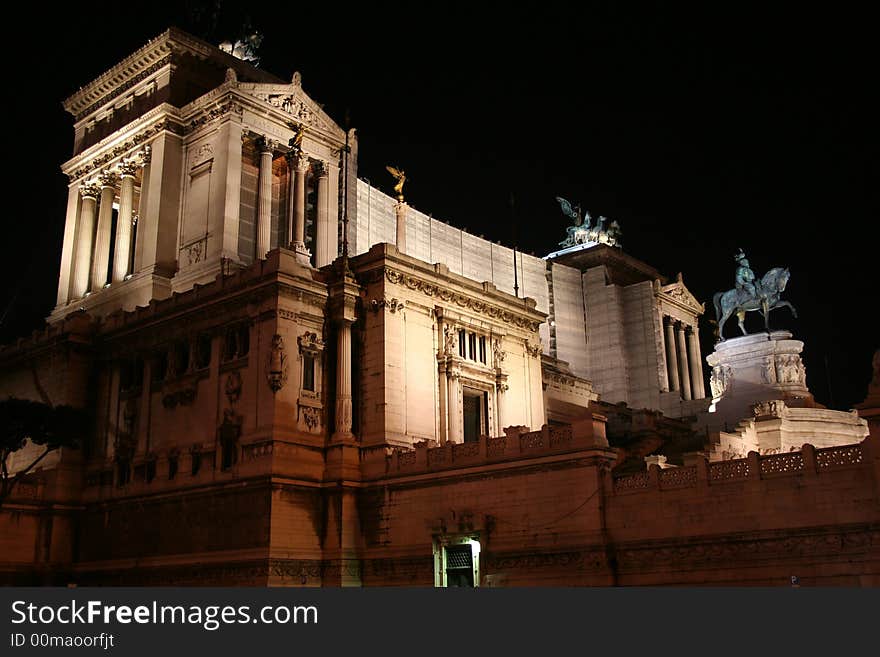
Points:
x=671 y=357
x=122 y=254
x=696 y=369
x=84 y=235
x=102 y=236
x=299 y=163
x=322 y=254
x=343 y=381
x=683 y=359
x=264 y=211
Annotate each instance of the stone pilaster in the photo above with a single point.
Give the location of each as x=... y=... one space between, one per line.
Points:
x=671 y=356
x=101 y=260
x=683 y=361
x=453 y=417
x=85 y=233
x=146 y=158
x=264 y=203
x=122 y=253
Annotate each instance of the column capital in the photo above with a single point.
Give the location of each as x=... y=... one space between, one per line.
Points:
x=128 y=169
x=302 y=163
x=89 y=190
x=146 y=155
x=266 y=145
x=107 y=179
x=322 y=169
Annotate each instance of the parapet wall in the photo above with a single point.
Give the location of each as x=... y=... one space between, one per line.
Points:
x=813 y=514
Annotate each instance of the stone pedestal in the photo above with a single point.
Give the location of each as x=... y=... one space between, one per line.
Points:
x=753 y=369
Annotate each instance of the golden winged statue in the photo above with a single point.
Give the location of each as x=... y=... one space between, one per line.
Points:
x=296 y=142
x=400 y=176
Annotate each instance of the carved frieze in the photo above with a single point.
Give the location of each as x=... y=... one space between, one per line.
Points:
x=790 y=369
x=720 y=380
x=202 y=154
x=474 y=304
x=126 y=147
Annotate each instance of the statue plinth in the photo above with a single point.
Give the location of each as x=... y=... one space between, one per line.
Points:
x=756 y=368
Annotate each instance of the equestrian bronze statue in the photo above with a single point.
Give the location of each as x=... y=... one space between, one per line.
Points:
x=751 y=294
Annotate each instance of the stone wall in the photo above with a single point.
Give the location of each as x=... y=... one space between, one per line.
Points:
x=757 y=521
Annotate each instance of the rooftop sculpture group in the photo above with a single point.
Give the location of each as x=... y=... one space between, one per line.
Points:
x=751 y=294
x=583 y=231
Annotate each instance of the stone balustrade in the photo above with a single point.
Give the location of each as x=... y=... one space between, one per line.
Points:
x=808 y=461
x=517 y=443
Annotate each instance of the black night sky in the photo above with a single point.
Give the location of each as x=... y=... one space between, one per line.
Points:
x=699 y=130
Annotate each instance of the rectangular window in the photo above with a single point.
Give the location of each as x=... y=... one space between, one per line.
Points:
x=472 y=346
x=196 y=463
x=309 y=372
x=462 y=344
x=483 y=349
x=172 y=466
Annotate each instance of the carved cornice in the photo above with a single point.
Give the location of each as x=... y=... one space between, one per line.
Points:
x=102 y=92
x=213 y=113
x=126 y=147
x=463 y=301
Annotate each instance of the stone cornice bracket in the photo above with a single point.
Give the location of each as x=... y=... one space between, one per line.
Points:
x=89 y=190
x=107 y=178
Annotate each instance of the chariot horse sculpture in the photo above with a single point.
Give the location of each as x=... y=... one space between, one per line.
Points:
x=766 y=298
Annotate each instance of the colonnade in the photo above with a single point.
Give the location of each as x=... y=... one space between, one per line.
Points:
x=92 y=245
x=684 y=372
x=326 y=228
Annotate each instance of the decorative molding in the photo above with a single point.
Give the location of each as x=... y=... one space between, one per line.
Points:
x=203 y=153
x=393 y=305
x=433 y=290
x=310 y=343
x=678 y=294
x=126 y=147
x=80 y=114
x=276 y=373
x=213 y=113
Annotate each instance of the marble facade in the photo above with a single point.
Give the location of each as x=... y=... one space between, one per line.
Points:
x=271 y=411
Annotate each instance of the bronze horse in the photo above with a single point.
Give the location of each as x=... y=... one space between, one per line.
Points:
x=768 y=292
